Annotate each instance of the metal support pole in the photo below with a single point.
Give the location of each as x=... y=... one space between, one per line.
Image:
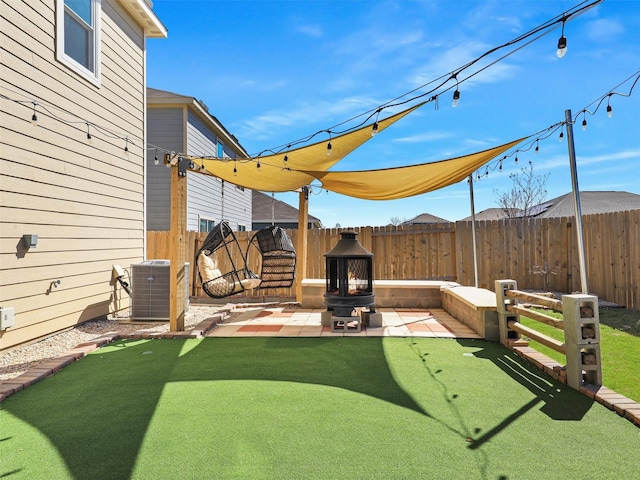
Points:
x=576 y=202
x=473 y=231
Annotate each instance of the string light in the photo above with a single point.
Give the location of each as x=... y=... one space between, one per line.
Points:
x=562 y=43
x=410 y=96
x=609 y=108
x=566 y=17
x=374 y=127
x=530 y=36
x=126 y=144
x=548 y=132
x=258 y=165
x=456 y=95
x=537 y=148
x=235 y=170
x=89 y=138
x=584 y=123
x=34 y=117
x=156 y=161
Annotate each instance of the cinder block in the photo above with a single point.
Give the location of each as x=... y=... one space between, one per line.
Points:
x=346 y=324
x=374 y=320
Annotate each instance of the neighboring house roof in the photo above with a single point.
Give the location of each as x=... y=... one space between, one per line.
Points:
x=590 y=203
x=157 y=97
x=424 y=218
x=488 y=214
x=263 y=205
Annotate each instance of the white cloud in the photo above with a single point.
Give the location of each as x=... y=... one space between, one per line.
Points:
x=271 y=124
x=604 y=29
x=314 y=31
x=424 y=137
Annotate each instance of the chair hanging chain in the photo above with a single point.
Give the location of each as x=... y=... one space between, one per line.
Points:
x=222 y=202
x=273 y=209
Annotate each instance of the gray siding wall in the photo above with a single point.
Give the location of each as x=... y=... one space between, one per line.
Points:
x=208 y=197
x=164 y=130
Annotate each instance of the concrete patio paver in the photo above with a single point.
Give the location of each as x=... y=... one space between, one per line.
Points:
x=288 y=322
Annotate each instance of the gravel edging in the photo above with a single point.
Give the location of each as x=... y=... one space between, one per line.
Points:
x=26 y=364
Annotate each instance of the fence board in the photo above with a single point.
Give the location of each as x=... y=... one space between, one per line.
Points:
x=506 y=249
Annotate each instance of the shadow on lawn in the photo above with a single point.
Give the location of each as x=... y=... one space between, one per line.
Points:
x=96 y=412
x=559 y=401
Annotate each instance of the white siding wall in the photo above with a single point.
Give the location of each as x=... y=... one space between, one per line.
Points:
x=84 y=201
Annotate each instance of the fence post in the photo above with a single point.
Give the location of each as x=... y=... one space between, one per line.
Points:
x=504 y=317
x=582 y=339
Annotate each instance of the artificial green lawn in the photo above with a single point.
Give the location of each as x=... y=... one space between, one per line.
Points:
x=619 y=347
x=309 y=408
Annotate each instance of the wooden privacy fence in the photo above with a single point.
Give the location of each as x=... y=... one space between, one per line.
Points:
x=542 y=254
x=539 y=253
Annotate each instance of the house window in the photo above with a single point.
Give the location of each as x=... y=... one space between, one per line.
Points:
x=78 y=36
x=242 y=228
x=206 y=225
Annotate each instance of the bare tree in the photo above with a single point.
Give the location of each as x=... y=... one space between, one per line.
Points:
x=396 y=221
x=528 y=190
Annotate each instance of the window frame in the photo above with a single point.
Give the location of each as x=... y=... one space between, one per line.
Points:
x=211 y=223
x=94 y=76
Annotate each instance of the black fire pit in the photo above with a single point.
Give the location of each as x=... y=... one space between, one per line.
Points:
x=349 y=276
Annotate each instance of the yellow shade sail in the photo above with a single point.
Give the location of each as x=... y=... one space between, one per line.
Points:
x=402 y=182
x=277 y=175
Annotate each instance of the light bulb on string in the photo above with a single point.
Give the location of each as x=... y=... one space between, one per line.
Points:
x=609 y=108
x=456 y=98
x=374 y=127
x=584 y=124
x=34 y=117
x=235 y=170
x=537 y=150
x=456 y=95
x=156 y=161
x=89 y=138
x=258 y=165
x=561 y=136
x=126 y=144
x=329 y=146
x=562 y=44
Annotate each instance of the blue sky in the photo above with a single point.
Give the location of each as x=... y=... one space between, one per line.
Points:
x=276 y=71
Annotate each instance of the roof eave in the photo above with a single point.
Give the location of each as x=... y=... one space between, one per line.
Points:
x=141 y=11
x=196 y=106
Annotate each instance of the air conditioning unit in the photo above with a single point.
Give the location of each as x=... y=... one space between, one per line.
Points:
x=150 y=285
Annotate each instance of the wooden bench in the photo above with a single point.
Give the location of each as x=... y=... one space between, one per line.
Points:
x=475 y=307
